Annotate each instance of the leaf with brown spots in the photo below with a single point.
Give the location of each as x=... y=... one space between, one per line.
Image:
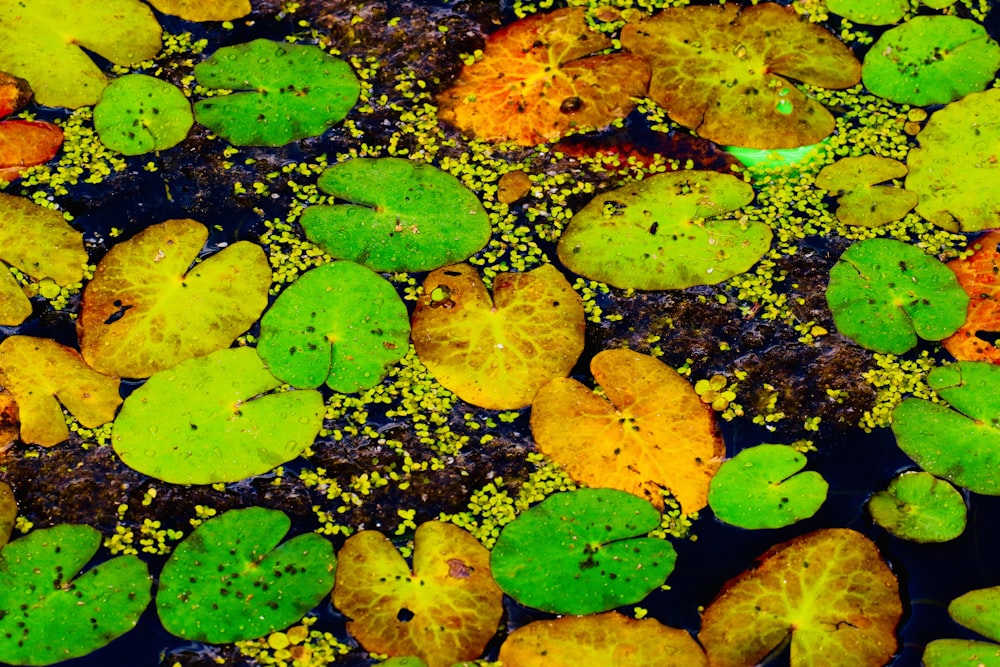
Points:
x=15 y=93
x=979 y=276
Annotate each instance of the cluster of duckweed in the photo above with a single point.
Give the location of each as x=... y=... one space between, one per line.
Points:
x=602 y=10
x=895 y=378
x=174 y=62
x=89 y=437
x=713 y=391
x=298 y=646
x=674 y=523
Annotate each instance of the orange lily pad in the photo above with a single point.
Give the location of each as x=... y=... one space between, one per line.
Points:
x=42 y=374
x=830 y=590
x=147 y=309
x=445 y=610
x=15 y=93
x=601 y=639
x=537 y=81
x=721 y=70
x=199 y=10
x=496 y=353
x=25 y=143
x=979 y=276
x=651 y=433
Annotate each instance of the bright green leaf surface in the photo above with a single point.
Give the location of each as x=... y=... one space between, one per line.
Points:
x=869 y=12
x=43 y=41
x=284 y=92
x=582 y=552
x=398 y=215
x=884 y=293
x=979 y=610
x=759 y=488
x=918 y=506
x=230 y=580
x=961 y=653
x=665 y=232
x=138 y=114
x=931 y=60
x=50 y=613
x=206 y=420
x=339 y=323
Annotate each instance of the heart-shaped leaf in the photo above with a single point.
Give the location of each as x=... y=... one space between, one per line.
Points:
x=25 y=143
x=50 y=612
x=446 y=609
x=862 y=201
x=829 y=590
x=667 y=231
x=496 y=353
x=920 y=507
x=339 y=323
x=761 y=487
x=138 y=114
x=284 y=92
x=209 y=419
x=979 y=276
x=538 y=81
x=198 y=10
x=582 y=552
x=230 y=580
x=883 y=293
x=651 y=433
x=42 y=374
x=148 y=309
x=398 y=215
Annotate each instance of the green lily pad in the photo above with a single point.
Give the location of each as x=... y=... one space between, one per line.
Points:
x=43 y=41
x=138 y=114
x=399 y=215
x=961 y=653
x=862 y=201
x=960 y=443
x=582 y=552
x=918 y=506
x=978 y=610
x=761 y=487
x=50 y=612
x=667 y=231
x=284 y=92
x=884 y=293
x=957 y=155
x=931 y=60
x=339 y=323
x=209 y=419
x=230 y=580
x=869 y=12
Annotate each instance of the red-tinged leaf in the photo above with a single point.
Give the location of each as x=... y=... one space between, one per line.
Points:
x=679 y=146
x=15 y=93
x=25 y=143
x=979 y=276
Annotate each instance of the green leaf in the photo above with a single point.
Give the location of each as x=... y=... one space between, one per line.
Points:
x=862 y=201
x=667 y=231
x=398 y=215
x=44 y=41
x=869 y=12
x=50 y=612
x=957 y=155
x=759 y=488
x=285 y=92
x=979 y=610
x=138 y=114
x=209 y=419
x=884 y=293
x=230 y=580
x=931 y=60
x=582 y=552
x=960 y=443
x=339 y=323
x=919 y=507
x=961 y=653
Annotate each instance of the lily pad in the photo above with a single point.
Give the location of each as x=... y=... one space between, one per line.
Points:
x=44 y=41
x=230 y=580
x=959 y=443
x=600 y=640
x=761 y=487
x=496 y=353
x=978 y=610
x=198 y=10
x=284 y=92
x=15 y=94
x=957 y=155
x=446 y=609
x=884 y=293
x=870 y=12
x=209 y=419
x=721 y=70
x=25 y=143
x=339 y=323
x=51 y=612
x=398 y=215
x=538 y=80
x=961 y=653
x=667 y=231
x=918 y=506
x=979 y=276
x=138 y=114
x=829 y=589
x=931 y=60
x=39 y=242
x=582 y=552
x=44 y=377
x=147 y=308
x=651 y=434
x=862 y=201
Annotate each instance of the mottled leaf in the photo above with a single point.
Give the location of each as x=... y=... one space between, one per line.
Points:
x=199 y=10
x=25 y=143
x=138 y=114
x=978 y=610
x=919 y=507
x=15 y=93
x=862 y=201
x=979 y=276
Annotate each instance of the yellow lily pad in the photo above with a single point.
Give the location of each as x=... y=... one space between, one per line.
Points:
x=862 y=201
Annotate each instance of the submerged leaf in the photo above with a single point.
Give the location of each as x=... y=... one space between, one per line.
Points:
x=138 y=114
x=199 y=10
x=862 y=201
x=25 y=143
x=918 y=506
x=979 y=276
